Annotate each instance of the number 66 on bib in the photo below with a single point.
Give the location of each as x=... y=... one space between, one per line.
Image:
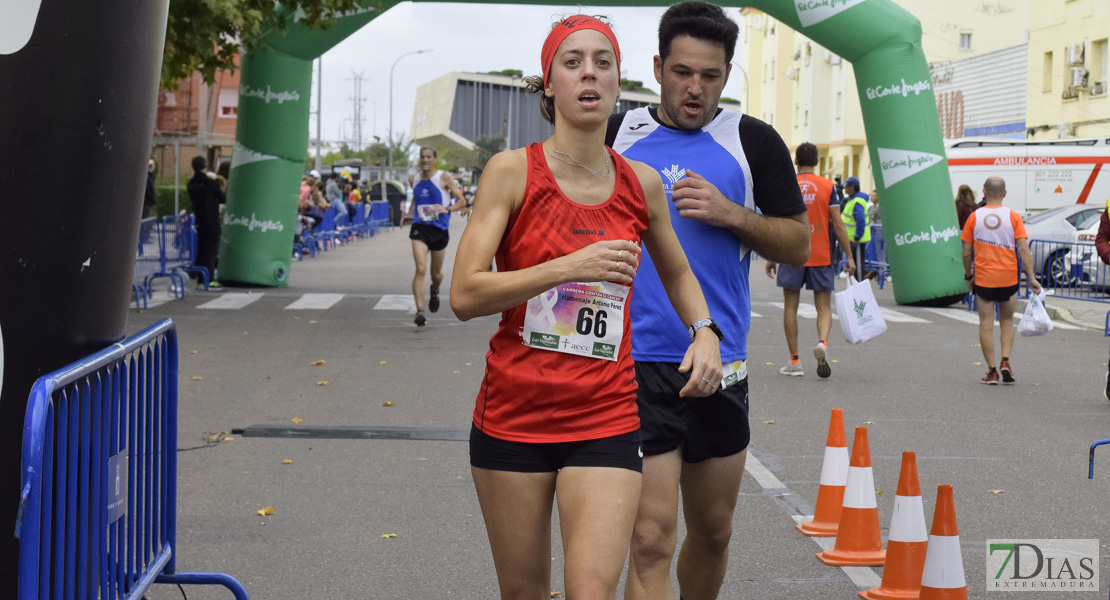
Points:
x=586 y=319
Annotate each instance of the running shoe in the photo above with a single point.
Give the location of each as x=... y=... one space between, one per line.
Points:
x=1006 y=371
x=212 y=285
x=433 y=302
x=420 y=320
x=823 y=368
x=794 y=370
x=1106 y=392
x=991 y=378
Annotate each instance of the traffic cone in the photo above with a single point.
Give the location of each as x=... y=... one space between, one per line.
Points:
x=858 y=539
x=834 y=474
x=943 y=577
x=907 y=542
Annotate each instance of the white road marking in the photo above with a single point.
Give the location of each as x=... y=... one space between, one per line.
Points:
x=893 y=316
x=396 y=302
x=232 y=301
x=315 y=302
x=864 y=577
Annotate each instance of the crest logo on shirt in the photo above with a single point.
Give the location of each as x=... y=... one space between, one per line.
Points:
x=673 y=174
x=992 y=222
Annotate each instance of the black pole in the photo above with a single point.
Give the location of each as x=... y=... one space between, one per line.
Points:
x=76 y=116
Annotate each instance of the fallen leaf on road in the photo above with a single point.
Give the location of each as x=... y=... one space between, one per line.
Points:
x=321 y=383
x=996 y=491
x=267 y=376
x=767 y=364
x=556 y=594
x=834 y=360
x=265 y=512
x=389 y=535
x=771 y=422
x=868 y=422
x=318 y=363
x=194 y=352
x=879 y=493
x=197 y=378
x=978 y=364
x=212 y=438
x=388 y=404
x=296 y=419
x=287 y=462
x=384 y=362
x=229 y=439
x=313 y=322
x=469 y=364
x=456 y=372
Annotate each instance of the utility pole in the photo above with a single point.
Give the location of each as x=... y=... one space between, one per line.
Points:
x=319 y=107
x=356 y=105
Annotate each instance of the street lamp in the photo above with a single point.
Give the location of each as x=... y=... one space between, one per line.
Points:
x=391 y=142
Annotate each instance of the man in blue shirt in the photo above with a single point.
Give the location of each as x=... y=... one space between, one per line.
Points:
x=717 y=168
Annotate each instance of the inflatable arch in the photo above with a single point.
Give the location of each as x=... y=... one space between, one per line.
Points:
x=895 y=90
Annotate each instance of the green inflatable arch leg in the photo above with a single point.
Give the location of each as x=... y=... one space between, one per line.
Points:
x=896 y=96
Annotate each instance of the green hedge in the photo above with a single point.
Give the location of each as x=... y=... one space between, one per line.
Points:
x=165 y=200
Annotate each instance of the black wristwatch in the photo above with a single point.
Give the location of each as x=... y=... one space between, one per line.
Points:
x=711 y=324
x=969 y=277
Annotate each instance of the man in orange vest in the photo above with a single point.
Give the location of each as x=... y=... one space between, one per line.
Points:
x=818 y=274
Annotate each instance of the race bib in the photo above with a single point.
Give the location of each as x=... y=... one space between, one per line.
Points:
x=586 y=319
x=427 y=212
x=733 y=372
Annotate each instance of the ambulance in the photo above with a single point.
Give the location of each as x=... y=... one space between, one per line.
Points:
x=1039 y=174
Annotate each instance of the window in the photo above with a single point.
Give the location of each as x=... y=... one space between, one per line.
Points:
x=229 y=104
x=965 y=40
x=805 y=120
x=1097 y=61
x=772 y=69
x=839 y=108
x=1046 y=70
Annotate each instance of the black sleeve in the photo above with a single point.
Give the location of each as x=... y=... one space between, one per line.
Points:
x=151 y=196
x=774 y=181
x=613 y=127
x=214 y=188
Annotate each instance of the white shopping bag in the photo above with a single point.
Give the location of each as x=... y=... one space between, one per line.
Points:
x=859 y=314
x=1035 y=321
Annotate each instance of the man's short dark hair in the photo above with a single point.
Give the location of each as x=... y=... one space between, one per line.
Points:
x=699 y=20
x=806 y=155
x=434 y=153
x=199 y=163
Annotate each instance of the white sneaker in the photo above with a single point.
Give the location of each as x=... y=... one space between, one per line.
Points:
x=821 y=354
x=792 y=370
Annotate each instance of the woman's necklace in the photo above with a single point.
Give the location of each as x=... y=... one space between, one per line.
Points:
x=570 y=160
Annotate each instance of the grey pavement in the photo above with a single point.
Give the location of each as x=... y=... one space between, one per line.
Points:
x=252 y=397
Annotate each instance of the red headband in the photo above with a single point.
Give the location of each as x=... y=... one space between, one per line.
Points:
x=568 y=26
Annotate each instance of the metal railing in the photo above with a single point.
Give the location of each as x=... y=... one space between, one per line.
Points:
x=98 y=506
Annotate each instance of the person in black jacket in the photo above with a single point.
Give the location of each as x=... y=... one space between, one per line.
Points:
x=207 y=197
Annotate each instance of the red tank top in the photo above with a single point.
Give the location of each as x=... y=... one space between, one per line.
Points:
x=817 y=191
x=542 y=396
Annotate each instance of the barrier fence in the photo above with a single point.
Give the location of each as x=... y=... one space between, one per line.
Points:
x=1071 y=270
x=98 y=507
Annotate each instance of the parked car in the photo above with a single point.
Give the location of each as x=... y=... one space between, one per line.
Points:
x=1095 y=273
x=1053 y=259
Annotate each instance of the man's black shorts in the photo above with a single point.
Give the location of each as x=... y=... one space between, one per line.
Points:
x=435 y=238
x=1001 y=294
x=704 y=428
x=619 y=451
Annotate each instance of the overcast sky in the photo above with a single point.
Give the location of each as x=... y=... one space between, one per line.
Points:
x=462 y=37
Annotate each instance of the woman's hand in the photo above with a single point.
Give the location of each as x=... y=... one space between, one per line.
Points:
x=610 y=260
x=703 y=363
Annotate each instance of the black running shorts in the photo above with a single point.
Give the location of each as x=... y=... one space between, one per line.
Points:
x=704 y=428
x=1001 y=294
x=433 y=237
x=619 y=451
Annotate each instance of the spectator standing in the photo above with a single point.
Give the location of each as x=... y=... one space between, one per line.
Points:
x=996 y=235
x=207 y=197
x=818 y=274
x=873 y=214
x=1102 y=246
x=719 y=167
x=332 y=191
x=858 y=223
x=965 y=204
x=150 y=197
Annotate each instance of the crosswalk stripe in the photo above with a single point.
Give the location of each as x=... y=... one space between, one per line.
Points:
x=396 y=302
x=315 y=302
x=958 y=314
x=805 y=311
x=893 y=316
x=232 y=301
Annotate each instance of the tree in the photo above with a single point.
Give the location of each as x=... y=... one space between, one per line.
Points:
x=508 y=73
x=631 y=85
x=487 y=146
x=207 y=35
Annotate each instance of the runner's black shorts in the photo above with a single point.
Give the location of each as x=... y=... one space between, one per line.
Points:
x=435 y=238
x=704 y=428
x=992 y=294
x=620 y=451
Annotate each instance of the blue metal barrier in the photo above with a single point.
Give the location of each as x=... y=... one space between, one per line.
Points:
x=1071 y=270
x=148 y=262
x=379 y=215
x=98 y=508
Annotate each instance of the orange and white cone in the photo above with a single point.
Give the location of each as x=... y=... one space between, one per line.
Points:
x=834 y=475
x=943 y=577
x=858 y=539
x=908 y=540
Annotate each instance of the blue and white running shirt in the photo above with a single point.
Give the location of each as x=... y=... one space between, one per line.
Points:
x=749 y=163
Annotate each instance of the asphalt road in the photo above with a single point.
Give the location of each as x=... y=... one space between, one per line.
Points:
x=361 y=470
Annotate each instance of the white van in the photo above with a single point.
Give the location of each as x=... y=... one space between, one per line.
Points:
x=1039 y=174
